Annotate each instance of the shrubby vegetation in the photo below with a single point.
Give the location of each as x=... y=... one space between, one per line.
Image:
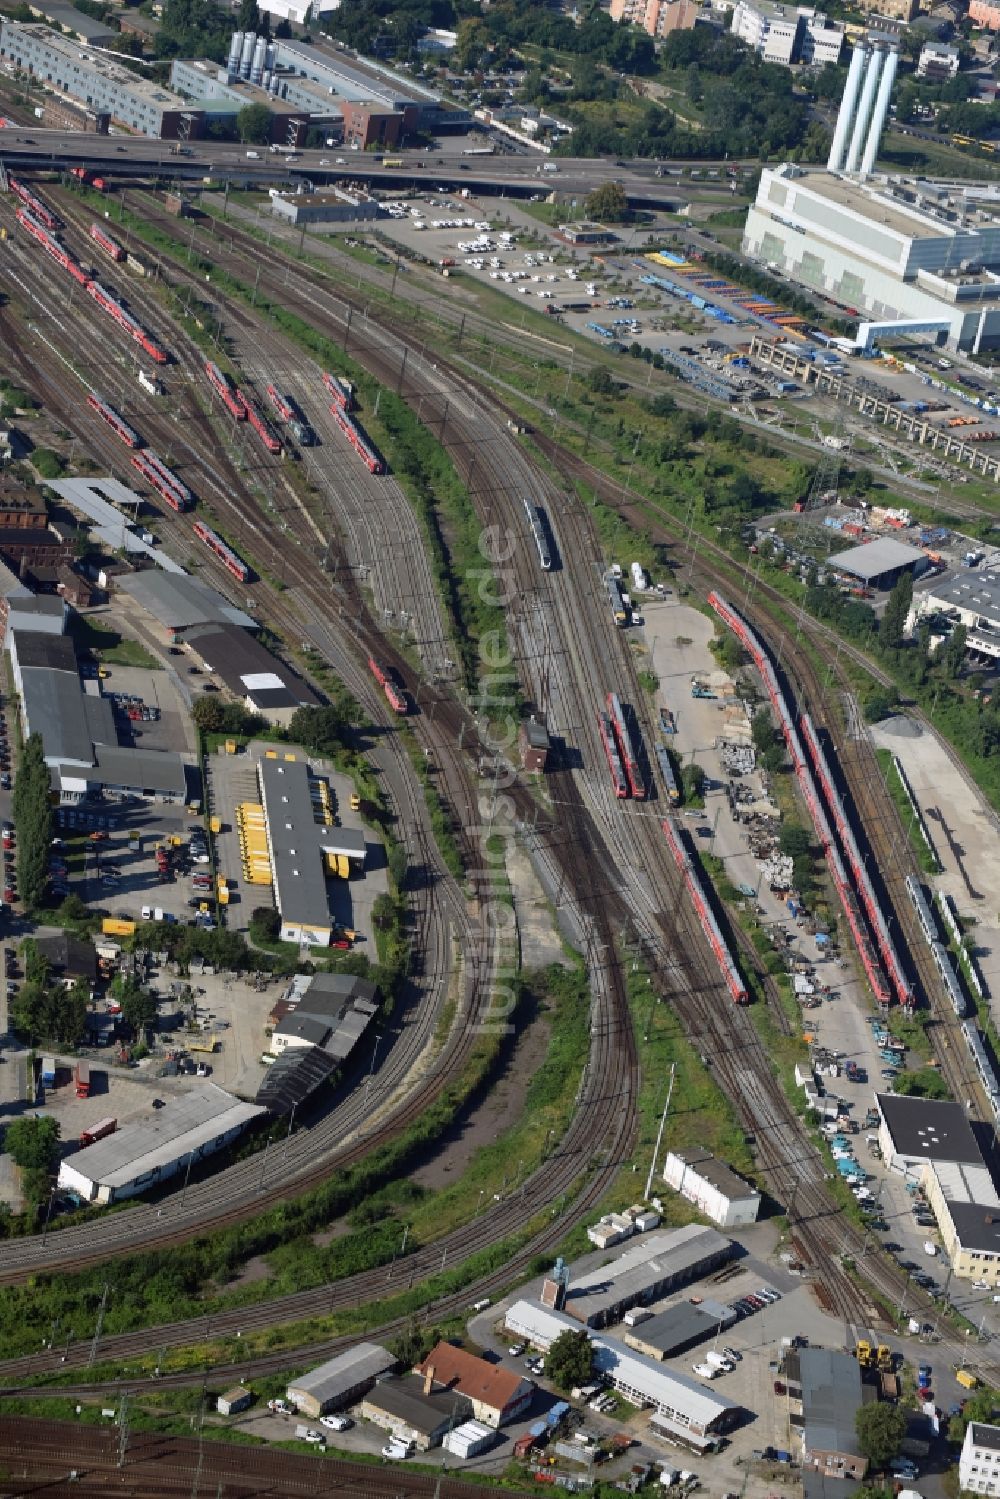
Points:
x=32 y=812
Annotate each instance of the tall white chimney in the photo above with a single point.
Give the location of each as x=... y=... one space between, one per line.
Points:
x=846 y=114
x=864 y=110
x=878 y=118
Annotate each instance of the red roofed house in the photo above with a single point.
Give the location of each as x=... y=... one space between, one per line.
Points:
x=498 y=1395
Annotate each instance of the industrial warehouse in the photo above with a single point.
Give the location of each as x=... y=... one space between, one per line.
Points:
x=684 y=1410
x=153 y=1149
x=302 y=851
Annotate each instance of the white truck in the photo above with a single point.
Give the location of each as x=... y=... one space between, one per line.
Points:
x=309 y=1434
x=707 y=1371
x=718 y=1361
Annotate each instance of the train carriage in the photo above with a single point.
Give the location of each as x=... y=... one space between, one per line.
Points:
x=231 y=560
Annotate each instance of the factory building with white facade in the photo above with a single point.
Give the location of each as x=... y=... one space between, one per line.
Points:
x=909 y=255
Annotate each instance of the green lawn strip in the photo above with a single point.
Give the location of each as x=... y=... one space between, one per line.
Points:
x=927 y=860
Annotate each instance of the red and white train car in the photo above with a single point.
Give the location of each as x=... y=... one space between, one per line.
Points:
x=231 y=560
x=107 y=243
x=118 y=424
x=731 y=975
x=361 y=444
x=231 y=397
x=636 y=784
x=340 y=389
x=619 y=783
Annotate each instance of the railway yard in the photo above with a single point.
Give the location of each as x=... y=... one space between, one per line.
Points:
x=287 y=490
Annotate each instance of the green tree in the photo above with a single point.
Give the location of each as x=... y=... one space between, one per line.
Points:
x=208 y=714
x=881 y=1429
x=253 y=123
x=31 y=1143
x=600 y=381
x=953 y=653
x=794 y=840
x=730 y=653
x=693 y=781
x=880 y=703
x=32 y=810
x=570 y=1359
x=762 y=730
x=265 y=924
x=322 y=730
x=896 y=610
x=927 y=1082
x=138 y=1005
x=980 y=1406
x=608 y=204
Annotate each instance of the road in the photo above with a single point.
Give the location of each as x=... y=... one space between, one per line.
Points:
x=521 y=176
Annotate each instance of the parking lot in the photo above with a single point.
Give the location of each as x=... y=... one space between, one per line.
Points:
x=110 y=852
x=171 y=729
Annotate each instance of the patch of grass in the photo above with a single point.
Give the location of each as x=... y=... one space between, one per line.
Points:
x=110 y=645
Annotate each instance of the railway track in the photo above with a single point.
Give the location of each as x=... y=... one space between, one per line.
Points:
x=39 y=1457
x=758 y=1084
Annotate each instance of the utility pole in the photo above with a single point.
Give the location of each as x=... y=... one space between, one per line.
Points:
x=123 y=1429
x=100 y=1324
x=659 y=1133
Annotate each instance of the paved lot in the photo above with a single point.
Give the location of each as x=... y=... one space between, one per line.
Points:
x=963 y=829
x=120 y=875
x=233 y=779
x=173 y=730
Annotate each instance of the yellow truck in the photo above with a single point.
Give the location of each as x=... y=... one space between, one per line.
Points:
x=203 y=1043
x=114 y=926
x=966 y=1380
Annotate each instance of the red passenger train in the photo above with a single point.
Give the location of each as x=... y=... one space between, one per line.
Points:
x=386 y=679
x=231 y=397
x=230 y=559
x=341 y=390
x=283 y=405
x=618 y=782
x=118 y=424
x=849 y=886
x=168 y=487
x=34 y=205
x=260 y=425
x=364 y=448
x=51 y=245
x=108 y=302
x=636 y=784
x=730 y=972
x=108 y=244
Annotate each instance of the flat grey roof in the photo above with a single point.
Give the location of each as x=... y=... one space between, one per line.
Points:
x=340 y=1375
x=831 y=1395
x=929 y=1129
x=977 y=1227
x=874 y=558
x=147 y=770
x=74 y=20
x=978 y=592
x=38 y=648
x=184 y=1124
x=55 y=708
x=716 y=1172
x=179 y=601
x=676 y=1328
x=654 y=1258
x=297 y=842
x=293 y=1076
x=985 y=1436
